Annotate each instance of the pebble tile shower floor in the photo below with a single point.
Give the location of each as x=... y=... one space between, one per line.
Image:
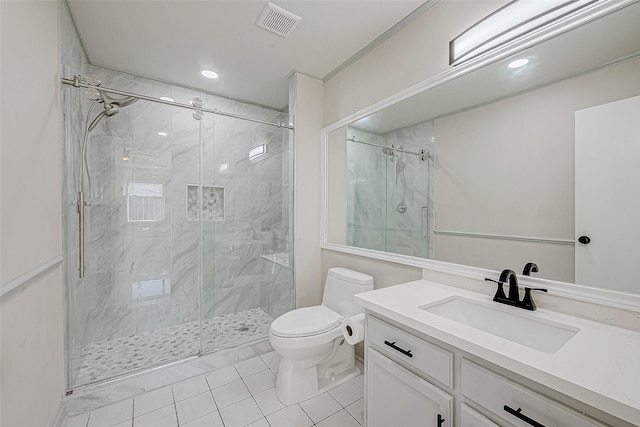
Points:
x=236 y=396
x=112 y=358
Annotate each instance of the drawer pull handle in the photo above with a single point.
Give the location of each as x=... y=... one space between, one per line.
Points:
x=518 y=414
x=440 y=420
x=395 y=347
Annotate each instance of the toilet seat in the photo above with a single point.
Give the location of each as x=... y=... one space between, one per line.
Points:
x=305 y=322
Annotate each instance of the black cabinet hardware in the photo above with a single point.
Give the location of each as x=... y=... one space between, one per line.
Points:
x=440 y=420
x=585 y=240
x=517 y=413
x=395 y=347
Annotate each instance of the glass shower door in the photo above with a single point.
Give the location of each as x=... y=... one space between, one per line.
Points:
x=246 y=212
x=138 y=305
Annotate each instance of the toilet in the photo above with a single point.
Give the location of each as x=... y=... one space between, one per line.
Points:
x=314 y=357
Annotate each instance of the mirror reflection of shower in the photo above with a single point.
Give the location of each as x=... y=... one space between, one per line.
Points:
x=388 y=197
x=395 y=154
x=111 y=106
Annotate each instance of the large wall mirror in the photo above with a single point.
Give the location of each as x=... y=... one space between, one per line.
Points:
x=479 y=168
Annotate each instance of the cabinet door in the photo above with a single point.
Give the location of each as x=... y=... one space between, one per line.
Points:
x=397 y=397
x=472 y=418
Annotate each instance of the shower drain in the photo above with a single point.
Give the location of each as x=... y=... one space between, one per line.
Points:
x=243 y=328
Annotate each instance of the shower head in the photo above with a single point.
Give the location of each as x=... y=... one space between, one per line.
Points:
x=111 y=106
x=118 y=102
x=109 y=110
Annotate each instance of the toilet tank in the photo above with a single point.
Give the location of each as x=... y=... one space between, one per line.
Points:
x=341 y=285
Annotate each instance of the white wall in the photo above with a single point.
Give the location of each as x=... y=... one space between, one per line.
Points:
x=305 y=109
x=417 y=52
x=32 y=355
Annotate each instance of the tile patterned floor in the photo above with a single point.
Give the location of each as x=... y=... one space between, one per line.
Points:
x=236 y=396
x=112 y=358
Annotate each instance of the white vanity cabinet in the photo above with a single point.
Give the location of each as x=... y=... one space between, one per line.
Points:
x=410 y=382
x=397 y=397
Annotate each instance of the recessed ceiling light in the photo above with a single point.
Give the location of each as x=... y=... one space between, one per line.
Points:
x=163 y=133
x=518 y=63
x=210 y=74
x=166 y=98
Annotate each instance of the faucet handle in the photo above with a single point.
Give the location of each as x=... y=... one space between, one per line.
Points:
x=527 y=302
x=500 y=295
x=530 y=267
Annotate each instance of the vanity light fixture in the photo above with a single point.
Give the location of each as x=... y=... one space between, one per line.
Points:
x=210 y=74
x=258 y=153
x=515 y=19
x=518 y=63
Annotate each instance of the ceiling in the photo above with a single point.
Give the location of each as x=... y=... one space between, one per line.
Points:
x=173 y=41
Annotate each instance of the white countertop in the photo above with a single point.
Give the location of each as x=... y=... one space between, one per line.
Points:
x=599 y=366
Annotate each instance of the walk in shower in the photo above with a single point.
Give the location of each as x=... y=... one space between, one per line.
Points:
x=187 y=224
x=389 y=201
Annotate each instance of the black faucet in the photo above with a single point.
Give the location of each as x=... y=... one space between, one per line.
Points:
x=514 y=295
x=530 y=267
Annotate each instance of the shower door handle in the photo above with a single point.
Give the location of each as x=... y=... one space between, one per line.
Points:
x=80 y=207
x=425 y=222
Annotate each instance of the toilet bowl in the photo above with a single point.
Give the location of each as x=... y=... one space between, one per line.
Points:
x=314 y=356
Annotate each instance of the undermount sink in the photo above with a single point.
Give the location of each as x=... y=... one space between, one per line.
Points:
x=540 y=334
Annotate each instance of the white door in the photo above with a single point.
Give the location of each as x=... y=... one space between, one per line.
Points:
x=397 y=397
x=608 y=195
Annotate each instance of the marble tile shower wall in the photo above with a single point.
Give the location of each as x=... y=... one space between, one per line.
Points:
x=143 y=266
x=410 y=232
x=380 y=184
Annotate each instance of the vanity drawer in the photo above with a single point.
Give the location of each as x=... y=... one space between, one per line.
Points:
x=411 y=350
x=496 y=394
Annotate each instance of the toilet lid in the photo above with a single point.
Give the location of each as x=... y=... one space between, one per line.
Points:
x=305 y=322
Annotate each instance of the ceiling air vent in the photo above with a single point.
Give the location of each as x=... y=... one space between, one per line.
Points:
x=277 y=20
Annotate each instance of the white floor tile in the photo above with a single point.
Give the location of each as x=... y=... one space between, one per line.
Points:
x=320 y=407
x=152 y=400
x=260 y=382
x=359 y=381
x=164 y=417
x=78 y=420
x=241 y=413
x=291 y=416
x=356 y=410
x=112 y=414
x=271 y=359
x=260 y=423
x=230 y=393
x=195 y=407
x=268 y=401
x=210 y=420
x=340 y=419
x=189 y=388
x=250 y=367
x=347 y=393
x=222 y=376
